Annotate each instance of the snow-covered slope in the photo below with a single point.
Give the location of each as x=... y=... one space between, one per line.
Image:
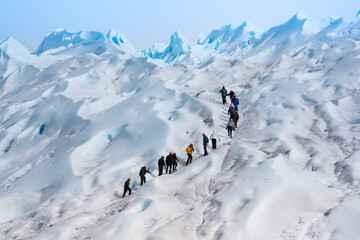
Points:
x=12 y=55
x=78 y=121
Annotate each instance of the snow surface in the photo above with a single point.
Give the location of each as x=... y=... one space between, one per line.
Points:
x=85 y=115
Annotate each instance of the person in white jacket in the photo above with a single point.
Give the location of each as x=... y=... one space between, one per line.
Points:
x=213 y=138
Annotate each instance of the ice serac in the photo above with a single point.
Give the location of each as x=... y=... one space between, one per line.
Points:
x=282 y=33
x=64 y=38
x=227 y=39
x=279 y=39
x=177 y=49
x=120 y=40
x=335 y=28
x=155 y=50
x=311 y=26
x=354 y=30
x=12 y=55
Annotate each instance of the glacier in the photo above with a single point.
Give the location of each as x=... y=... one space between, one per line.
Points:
x=86 y=110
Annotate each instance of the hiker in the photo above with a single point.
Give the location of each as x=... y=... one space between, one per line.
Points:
x=189 y=151
x=234 y=116
x=169 y=163
x=142 y=173
x=230 y=126
x=127 y=187
x=223 y=92
x=205 y=142
x=235 y=101
x=174 y=161
x=161 y=164
x=213 y=138
x=231 y=95
x=231 y=108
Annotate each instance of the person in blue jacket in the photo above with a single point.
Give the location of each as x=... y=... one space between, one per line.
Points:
x=235 y=101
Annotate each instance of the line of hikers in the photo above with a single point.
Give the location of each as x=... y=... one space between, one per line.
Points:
x=233 y=109
x=170 y=163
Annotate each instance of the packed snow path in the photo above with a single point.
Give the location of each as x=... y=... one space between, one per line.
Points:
x=185 y=200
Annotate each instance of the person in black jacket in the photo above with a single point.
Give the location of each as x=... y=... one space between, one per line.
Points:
x=205 y=143
x=127 y=187
x=161 y=164
x=169 y=163
x=234 y=116
x=175 y=161
x=142 y=173
x=231 y=95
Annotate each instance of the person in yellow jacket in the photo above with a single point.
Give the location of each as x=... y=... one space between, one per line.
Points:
x=189 y=151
